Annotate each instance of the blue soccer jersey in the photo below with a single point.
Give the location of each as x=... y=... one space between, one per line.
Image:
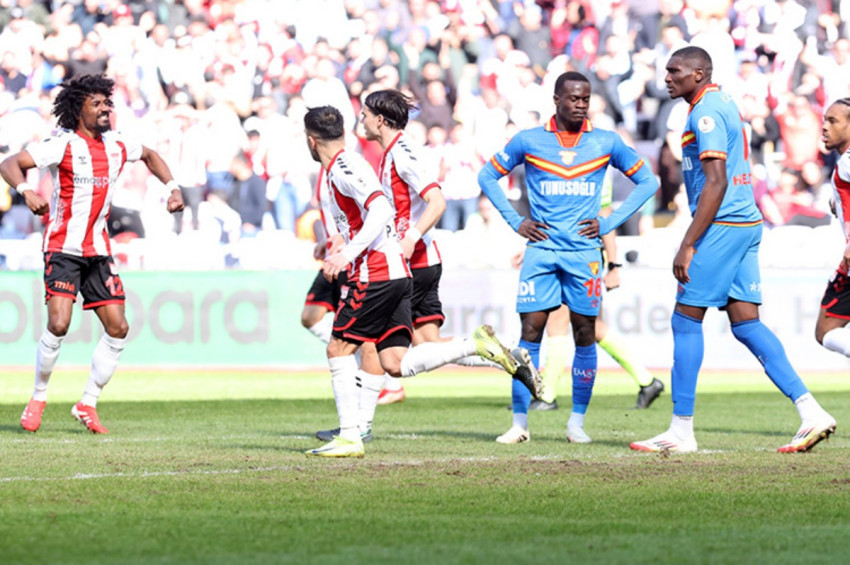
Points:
x=714 y=130
x=565 y=174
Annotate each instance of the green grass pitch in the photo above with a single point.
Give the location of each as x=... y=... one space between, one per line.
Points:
x=208 y=467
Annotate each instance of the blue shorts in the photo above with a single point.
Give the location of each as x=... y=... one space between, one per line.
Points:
x=550 y=278
x=725 y=266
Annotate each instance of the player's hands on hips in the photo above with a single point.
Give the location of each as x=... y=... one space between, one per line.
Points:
x=681 y=262
x=533 y=230
x=36 y=203
x=590 y=229
x=175 y=202
x=333 y=265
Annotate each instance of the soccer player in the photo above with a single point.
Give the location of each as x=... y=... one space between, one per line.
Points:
x=565 y=162
x=322 y=298
x=418 y=201
x=375 y=304
x=831 y=329
x=85 y=159
x=717 y=262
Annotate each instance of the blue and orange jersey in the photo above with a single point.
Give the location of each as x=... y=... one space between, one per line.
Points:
x=714 y=130
x=565 y=173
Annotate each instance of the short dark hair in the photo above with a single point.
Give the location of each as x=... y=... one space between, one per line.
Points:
x=69 y=102
x=696 y=55
x=568 y=76
x=392 y=105
x=325 y=122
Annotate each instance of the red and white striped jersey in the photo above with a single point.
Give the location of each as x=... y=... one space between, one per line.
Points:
x=323 y=195
x=84 y=173
x=841 y=195
x=405 y=182
x=351 y=186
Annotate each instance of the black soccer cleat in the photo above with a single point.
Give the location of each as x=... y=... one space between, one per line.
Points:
x=648 y=394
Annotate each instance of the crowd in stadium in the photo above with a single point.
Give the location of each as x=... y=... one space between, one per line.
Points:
x=219 y=88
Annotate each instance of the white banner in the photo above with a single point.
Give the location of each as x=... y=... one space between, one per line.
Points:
x=640 y=311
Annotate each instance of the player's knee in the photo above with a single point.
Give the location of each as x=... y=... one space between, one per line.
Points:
x=819 y=334
x=311 y=316
x=59 y=327
x=392 y=367
x=119 y=330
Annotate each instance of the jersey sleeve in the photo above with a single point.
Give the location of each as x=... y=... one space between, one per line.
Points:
x=132 y=145
x=411 y=170
x=625 y=158
x=500 y=165
x=49 y=151
x=710 y=131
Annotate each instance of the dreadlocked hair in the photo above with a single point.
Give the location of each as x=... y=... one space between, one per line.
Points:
x=69 y=101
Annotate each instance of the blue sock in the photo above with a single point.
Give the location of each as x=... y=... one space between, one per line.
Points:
x=584 y=375
x=688 y=347
x=769 y=351
x=520 y=396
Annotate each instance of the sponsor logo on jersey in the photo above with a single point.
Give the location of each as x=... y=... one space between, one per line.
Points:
x=706 y=124
x=594 y=267
x=567 y=188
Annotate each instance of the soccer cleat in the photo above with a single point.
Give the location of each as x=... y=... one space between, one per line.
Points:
x=329 y=435
x=809 y=435
x=527 y=373
x=31 y=417
x=575 y=434
x=649 y=393
x=338 y=447
x=542 y=405
x=87 y=415
x=488 y=347
x=514 y=435
x=666 y=443
x=391 y=396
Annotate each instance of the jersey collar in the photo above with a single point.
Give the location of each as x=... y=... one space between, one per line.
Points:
x=566 y=138
x=333 y=159
x=705 y=90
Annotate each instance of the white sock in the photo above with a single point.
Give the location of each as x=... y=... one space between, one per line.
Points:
x=370 y=388
x=477 y=361
x=103 y=365
x=838 y=340
x=808 y=408
x=45 y=360
x=521 y=420
x=323 y=328
x=576 y=420
x=391 y=383
x=428 y=356
x=346 y=395
x=682 y=426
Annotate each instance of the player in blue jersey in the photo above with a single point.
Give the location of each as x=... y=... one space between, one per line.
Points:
x=717 y=261
x=565 y=163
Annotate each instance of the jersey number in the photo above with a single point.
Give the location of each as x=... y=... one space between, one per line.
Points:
x=594 y=287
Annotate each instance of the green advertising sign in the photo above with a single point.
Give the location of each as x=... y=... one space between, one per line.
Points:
x=222 y=318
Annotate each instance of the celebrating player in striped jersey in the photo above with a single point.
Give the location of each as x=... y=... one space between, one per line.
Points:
x=85 y=159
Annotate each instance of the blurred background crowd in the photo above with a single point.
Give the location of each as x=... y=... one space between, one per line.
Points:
x=219 y=89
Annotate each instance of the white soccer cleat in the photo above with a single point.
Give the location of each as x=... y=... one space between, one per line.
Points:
x=514 y=435
x=810 y=434
x=667 y=442
x=575 y=434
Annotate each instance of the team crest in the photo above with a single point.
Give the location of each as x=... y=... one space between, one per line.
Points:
x=567 y=157
x=594 y=267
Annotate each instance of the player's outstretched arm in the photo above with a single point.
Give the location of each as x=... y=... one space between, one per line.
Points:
x=13 y=170
x=156 y=165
